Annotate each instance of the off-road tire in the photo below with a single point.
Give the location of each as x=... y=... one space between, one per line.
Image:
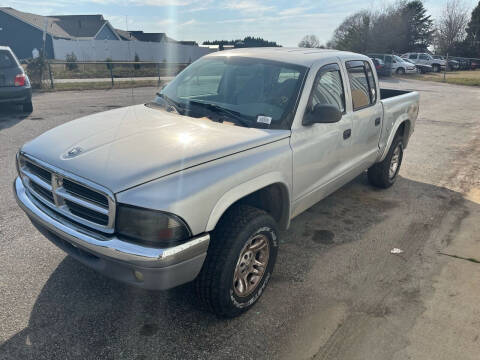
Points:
x=379 y=174
x=214 y=285
x=28 y=107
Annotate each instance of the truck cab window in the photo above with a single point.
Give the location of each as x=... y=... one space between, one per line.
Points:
x=359 y=85
x=328 y=89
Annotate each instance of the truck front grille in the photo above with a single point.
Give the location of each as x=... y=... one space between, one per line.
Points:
x=77 y=199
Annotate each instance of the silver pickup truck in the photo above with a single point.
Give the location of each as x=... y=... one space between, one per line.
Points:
x=197 y=184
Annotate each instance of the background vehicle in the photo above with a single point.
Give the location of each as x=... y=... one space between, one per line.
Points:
x=236 y=146
x=382 y=70
x=386 y=68
x=452 y=64
x=14 y=83
x=397 y=65
x=401 y=66
x=420 y=67
x=425 y=59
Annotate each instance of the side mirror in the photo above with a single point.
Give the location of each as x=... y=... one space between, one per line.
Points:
x=321 y=114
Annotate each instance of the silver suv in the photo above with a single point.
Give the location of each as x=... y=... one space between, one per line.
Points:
x=425 y=59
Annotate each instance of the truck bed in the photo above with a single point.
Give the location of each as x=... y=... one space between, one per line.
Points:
x=398 y=106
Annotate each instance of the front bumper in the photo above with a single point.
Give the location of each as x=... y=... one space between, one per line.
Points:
x=143 y=266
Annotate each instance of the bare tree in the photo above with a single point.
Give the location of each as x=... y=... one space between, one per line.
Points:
x=309 y=41
x=452 y=25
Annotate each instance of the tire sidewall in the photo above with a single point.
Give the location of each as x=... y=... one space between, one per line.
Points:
x=398 y=142
x=230 y=299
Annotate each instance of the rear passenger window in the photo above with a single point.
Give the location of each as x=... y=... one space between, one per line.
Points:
x=6 y=60
x=423 y=57
x=413 y=56
x=362 y=84
x=328 y=88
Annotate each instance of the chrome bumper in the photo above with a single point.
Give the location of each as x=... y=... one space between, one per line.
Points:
x=185 y=259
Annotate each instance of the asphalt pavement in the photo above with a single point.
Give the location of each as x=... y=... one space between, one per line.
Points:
x=336 y=293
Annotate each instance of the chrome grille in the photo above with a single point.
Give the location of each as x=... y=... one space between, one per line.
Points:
x=78 y=199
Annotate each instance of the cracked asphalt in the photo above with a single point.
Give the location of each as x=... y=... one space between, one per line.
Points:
x=336 y=293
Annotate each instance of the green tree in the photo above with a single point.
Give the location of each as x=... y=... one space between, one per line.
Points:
x=473 y=32
x=309 y=41
x=419 y=26
x=353 y=34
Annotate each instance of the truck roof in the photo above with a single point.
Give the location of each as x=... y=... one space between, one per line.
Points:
x=299 y=56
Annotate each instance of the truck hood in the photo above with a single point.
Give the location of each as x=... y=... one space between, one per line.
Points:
x=126 y=147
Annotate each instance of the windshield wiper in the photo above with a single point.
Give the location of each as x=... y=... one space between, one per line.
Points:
x=170 y=102
x=218 y=109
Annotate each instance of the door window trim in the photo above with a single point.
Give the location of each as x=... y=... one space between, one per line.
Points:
x=324 y=69
x=363 y=63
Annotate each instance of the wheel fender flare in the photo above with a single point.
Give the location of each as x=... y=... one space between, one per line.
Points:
x=402 y=119
x=247 y=188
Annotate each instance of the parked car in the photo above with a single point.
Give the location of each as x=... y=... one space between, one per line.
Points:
x=14 y=83
x=382 y=70
x=464 y=64
x=475 y=64
x=425 y=59
x=452 y=64
x=401 y=66
x=395 y=64
x=423 y=69
x=229 y=152
x=386 y=66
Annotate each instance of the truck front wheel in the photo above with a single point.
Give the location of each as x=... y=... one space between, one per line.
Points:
x=239 y=263
x=384 y=174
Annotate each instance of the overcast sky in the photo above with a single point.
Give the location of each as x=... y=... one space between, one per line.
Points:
x=284 y=21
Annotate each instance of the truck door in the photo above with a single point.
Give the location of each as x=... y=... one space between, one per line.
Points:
x=367 y=113
x=320 y=150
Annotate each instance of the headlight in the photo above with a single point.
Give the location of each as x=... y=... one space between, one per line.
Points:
x=151 y=226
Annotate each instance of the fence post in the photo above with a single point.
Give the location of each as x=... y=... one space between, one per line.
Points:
x=111 y=74
x=52 y=85
x=445 y=71
x=158 y=71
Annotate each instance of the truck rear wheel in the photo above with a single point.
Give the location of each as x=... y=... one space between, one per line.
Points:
x=239 y=262
x=384 y=174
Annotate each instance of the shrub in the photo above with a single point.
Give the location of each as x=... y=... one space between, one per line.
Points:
x=35 y=69
x=137 y=59
x=72 y=62
x=109 y=63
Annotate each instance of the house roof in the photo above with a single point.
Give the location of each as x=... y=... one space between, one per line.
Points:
x=80 y=26
x=62 y=26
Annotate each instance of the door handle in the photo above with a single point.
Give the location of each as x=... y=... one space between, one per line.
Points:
x=377 y=121
x=347 y=133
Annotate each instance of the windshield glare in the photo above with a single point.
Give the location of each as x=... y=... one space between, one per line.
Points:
x=262 y=92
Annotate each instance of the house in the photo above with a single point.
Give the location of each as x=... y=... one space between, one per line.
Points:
x=143 y=36
x=23 y=32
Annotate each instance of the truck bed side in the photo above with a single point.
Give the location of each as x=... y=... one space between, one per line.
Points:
x=398 y=107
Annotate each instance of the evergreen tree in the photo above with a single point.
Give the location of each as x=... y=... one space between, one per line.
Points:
x=419 y=26
x=473 y=32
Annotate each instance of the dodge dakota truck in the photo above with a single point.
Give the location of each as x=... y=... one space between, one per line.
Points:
x=197 y=184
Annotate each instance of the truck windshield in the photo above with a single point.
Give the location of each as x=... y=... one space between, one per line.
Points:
x=245 y=91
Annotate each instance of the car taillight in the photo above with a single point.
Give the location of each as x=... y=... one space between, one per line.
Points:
x=20 y=80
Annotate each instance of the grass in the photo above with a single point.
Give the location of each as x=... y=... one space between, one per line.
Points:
x=101 y=85
x=469 y=78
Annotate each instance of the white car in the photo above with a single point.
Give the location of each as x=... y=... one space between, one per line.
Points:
x=401 y=66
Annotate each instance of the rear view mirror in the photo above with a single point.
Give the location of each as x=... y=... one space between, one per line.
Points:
x=321 y=114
